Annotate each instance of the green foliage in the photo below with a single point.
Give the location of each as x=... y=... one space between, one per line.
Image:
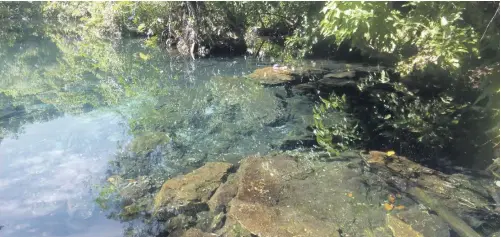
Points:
x=441 y=50
x=107 y=195
x=18 y=21
x=369 y=24
x=430 y=32
x=299 y=20
x=334 y=129
x=402 y=116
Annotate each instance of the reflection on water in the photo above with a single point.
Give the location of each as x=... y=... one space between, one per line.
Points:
x=49 y=173
x=59 y=140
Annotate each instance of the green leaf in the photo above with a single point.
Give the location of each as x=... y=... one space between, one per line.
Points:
x=141 y=27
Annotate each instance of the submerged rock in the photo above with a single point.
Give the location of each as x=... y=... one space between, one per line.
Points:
x=234 y=229
x=460 y=200
x=224 y=194
x=422 y=222
x=272 y=76
x=277 y=75
x=189 y=193
x=400 y=228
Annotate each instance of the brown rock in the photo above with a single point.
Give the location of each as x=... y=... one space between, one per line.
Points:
x=280 y=75
x=179 y=223
x=400 y=228
x=190 y=192
x=223 y=194
x=233 y=229
x=272 y=76
x=376 y=157
x=263 y=220
x=261 y=179
x=256 y=207
x=208 y=221
x=427 y=224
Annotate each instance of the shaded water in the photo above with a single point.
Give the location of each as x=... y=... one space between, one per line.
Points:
x=74 y=113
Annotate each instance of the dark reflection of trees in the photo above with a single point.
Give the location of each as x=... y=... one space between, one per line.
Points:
x=14 y=114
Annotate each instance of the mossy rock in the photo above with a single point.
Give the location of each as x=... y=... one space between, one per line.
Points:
x=190 y=193
x=147 y=142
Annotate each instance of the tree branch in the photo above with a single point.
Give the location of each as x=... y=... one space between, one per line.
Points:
x=497 y=10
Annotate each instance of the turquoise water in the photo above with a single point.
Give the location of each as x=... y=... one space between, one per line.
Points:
x=72 y=112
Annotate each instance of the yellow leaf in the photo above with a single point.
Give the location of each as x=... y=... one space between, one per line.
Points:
x=390 y=153
x=143 y=56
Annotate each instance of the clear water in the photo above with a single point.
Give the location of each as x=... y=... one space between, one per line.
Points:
x=70 y=109
x=74 y=112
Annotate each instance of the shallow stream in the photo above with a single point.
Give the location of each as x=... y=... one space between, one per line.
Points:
x=74 y=113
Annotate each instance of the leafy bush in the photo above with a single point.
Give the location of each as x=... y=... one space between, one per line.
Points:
x=391 y=116
x=430 y=32
x=335 y=130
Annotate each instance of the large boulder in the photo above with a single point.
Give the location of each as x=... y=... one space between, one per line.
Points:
x=189 y=193
x=256 y=206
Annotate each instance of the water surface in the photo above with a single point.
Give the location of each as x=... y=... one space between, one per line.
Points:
x=74 y=113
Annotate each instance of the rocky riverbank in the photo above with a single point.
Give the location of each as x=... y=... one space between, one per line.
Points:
x=298 y=194
x=293 y=188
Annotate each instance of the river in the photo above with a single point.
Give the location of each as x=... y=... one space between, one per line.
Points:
x=70 y=109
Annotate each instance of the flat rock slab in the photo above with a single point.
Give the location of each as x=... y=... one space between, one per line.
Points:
x=272 y=76
x=256 y=206
x=400 y=228
x=283 y=75
x=190 y=192
x=286 y=195
x=340 y=75
x=262 y=220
